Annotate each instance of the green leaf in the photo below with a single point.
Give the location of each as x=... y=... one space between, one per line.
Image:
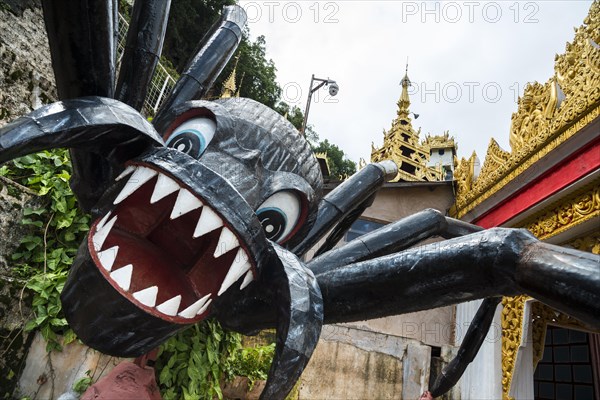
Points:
x=69 y=236
x=30 y=211
x=58 y=322
x=69 y=336
x=30 y=325
x=29 y=221
x=165 y=376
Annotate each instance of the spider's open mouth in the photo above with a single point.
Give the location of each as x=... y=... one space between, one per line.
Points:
x=165 y=249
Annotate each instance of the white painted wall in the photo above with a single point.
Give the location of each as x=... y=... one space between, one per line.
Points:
x=482 y=379
x=446 y=159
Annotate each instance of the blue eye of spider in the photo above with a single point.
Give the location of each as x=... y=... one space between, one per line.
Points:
x=273 y=221
x=279 y=214
x=193 y=136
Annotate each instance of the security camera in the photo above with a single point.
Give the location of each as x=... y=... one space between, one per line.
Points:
x=333 y=88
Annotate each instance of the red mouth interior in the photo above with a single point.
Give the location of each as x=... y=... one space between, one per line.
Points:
x=163 y=251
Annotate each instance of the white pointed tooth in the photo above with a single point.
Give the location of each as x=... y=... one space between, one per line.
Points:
x=122 y=276
x=102 y=221
x=239 y=266
x=185 y=203
x=227 y=242
x=164 y=187
x=126 y=171
x=171 y=306
x=101 y=234
x=200 y=311
x=247 y=279
x=208 y=222
x=192 y=310
x=107 y=257
x=147 y=296
x=139 y=177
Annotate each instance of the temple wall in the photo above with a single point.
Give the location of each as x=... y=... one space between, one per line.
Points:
x=432 y=327
x=393 y=203
x=353 y=364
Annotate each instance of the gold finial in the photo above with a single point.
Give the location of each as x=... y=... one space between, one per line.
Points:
x=404 y=101
x=229 y=86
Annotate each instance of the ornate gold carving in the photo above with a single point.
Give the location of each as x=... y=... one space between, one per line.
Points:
x=464 y=172
x=361 y=163
x=444 y=141
x=581 y=206
x=547 y=116
x=531 y=123
x=512 y=315
x=229 y=86
x=495 y=159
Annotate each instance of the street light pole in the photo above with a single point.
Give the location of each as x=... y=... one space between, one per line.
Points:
x=333 y=90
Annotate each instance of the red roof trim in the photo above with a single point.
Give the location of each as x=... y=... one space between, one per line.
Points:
x=569 y=171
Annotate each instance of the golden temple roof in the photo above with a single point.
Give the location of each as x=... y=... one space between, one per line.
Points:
x=548 y=115
x=402 y=145
x=229 y=86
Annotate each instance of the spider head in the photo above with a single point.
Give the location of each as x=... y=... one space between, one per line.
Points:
x=186 y=223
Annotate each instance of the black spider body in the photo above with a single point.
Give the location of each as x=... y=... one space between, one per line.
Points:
x=207 y=211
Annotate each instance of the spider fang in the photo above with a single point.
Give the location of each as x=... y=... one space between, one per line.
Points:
x=164 y=248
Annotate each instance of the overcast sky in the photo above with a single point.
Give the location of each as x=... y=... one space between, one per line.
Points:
x=468 y=62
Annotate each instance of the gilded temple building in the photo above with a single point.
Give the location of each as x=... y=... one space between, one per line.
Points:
x=230 y=87
x=430 y=160
x=548 y=183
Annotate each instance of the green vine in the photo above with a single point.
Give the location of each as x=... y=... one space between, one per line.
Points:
x=44 y=256
x=191 y=364
x=252 y=362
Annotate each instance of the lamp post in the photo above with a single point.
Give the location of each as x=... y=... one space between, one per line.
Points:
x=333 y=90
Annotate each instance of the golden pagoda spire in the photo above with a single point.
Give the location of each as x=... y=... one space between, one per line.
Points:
x=404 y=101
x=402 y=144
x=229 y=86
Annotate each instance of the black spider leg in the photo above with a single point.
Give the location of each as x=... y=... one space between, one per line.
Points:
x=391 y=238
x=144 y=43
x=495 y=262
x=469 y=347
x=105 y=125
x=286 y=297
x=81 y=35
x=341 y=202
x=213 y=54
x=343 y=226
x=299 y=323
x=401 y=235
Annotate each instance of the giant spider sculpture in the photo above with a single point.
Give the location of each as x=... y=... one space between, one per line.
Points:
x=208 y=212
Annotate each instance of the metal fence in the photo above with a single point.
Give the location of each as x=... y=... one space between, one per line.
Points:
x=162 y=82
